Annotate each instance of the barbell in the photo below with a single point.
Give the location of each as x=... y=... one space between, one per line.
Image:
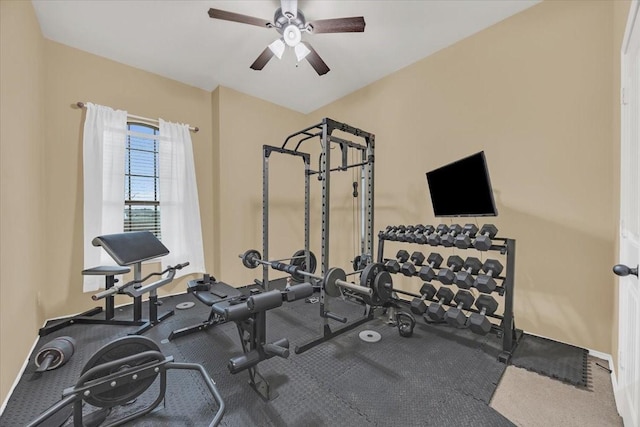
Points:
x=375 y=283
x=252 y=259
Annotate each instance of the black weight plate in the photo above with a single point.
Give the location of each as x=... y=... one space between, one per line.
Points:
x=382 y=292
x=356 y=262
x=330 y=286
x=115 y=350
x=250 y=255
x=368 y=277
x=301 y=263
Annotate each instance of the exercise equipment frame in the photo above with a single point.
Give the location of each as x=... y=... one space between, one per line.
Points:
x=506 y=329
x=324 y=131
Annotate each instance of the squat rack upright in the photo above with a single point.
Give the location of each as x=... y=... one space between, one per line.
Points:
x=324 y=131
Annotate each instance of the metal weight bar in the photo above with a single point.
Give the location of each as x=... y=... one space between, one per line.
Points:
x=333 y=281
x=289 y=259
x=252 y=259
x=336 y=278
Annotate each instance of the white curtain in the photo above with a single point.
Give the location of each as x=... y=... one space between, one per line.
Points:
x=179 y=207
x=104 y=140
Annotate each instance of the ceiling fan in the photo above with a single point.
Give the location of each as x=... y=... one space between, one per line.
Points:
x=290 y=22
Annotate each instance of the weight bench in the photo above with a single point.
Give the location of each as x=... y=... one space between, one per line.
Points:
x=209 y=292
x=249 y=315
x=126 y=249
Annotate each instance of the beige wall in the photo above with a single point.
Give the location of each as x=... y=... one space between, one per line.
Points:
x=534 y=92
x=245 y=125
x=22 y=168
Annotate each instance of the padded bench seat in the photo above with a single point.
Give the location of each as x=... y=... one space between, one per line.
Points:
x=210 y=292
x=214 y=294
x=106 y=270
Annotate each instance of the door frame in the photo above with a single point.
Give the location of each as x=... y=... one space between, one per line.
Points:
x=626 y=243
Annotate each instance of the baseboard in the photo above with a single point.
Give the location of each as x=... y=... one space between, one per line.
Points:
x=599 y=355
x=18 y=376
x=614 y=379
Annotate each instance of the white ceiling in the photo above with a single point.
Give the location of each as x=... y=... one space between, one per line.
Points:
x=178 y=40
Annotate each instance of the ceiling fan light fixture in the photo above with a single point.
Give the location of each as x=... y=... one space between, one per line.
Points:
x=292 y=35
x=277 y=47
x=301 y=51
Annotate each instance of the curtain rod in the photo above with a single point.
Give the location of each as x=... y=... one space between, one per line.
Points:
x=81 y=104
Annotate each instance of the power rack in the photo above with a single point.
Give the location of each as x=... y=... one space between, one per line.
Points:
x=365 y=153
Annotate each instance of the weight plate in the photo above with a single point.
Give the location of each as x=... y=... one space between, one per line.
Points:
x=383 y=287
x=330 y=286
x=250 y=258
x=115 y=350
x=185 y=305
x=370 y=336
x=367 y=278
x=356 y=263
x=301 y=263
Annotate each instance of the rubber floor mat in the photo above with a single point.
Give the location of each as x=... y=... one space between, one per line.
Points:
x=553 y=359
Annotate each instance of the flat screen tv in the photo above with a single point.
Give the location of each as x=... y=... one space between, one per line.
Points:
x=462 y=188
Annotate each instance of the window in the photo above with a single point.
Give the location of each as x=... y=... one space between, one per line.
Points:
x=141 y=180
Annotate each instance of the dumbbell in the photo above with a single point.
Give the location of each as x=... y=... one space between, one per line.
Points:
x=418 y=305
x=449 y=238
x=402 y=255
x=478 y=322
x=384 y=234
x=391 y=234
x=423 y=233
x=464 y=277
x=400 y=229
x=408 y=269
x=401 y=235
x=455 y=316
x=427 y=273
x=392 y=265
x=417 y=258
x=409 y=235
x=434 y=238
x=436 y=311
x=463 y=240
x=483 y=241
x=486 y=283
x=446 y=276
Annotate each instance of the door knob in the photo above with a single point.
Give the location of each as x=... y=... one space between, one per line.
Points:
x=623 y=270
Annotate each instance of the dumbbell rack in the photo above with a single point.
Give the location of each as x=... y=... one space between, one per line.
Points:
x=506 y=329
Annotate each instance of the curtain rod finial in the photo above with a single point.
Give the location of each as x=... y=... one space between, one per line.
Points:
x=80 y=104
x=196 y=129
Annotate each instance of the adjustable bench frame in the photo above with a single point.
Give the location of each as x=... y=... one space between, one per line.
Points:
x=126 y=249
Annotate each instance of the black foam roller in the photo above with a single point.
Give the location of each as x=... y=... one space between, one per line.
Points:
x=296 y=292
x=237 y=312
x=264 y=301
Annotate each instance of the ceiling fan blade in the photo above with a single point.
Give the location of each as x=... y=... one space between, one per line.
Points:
x=289 y=8
x=338 y=25
x=262 y=60
x=316 y=62
x=238 y=17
